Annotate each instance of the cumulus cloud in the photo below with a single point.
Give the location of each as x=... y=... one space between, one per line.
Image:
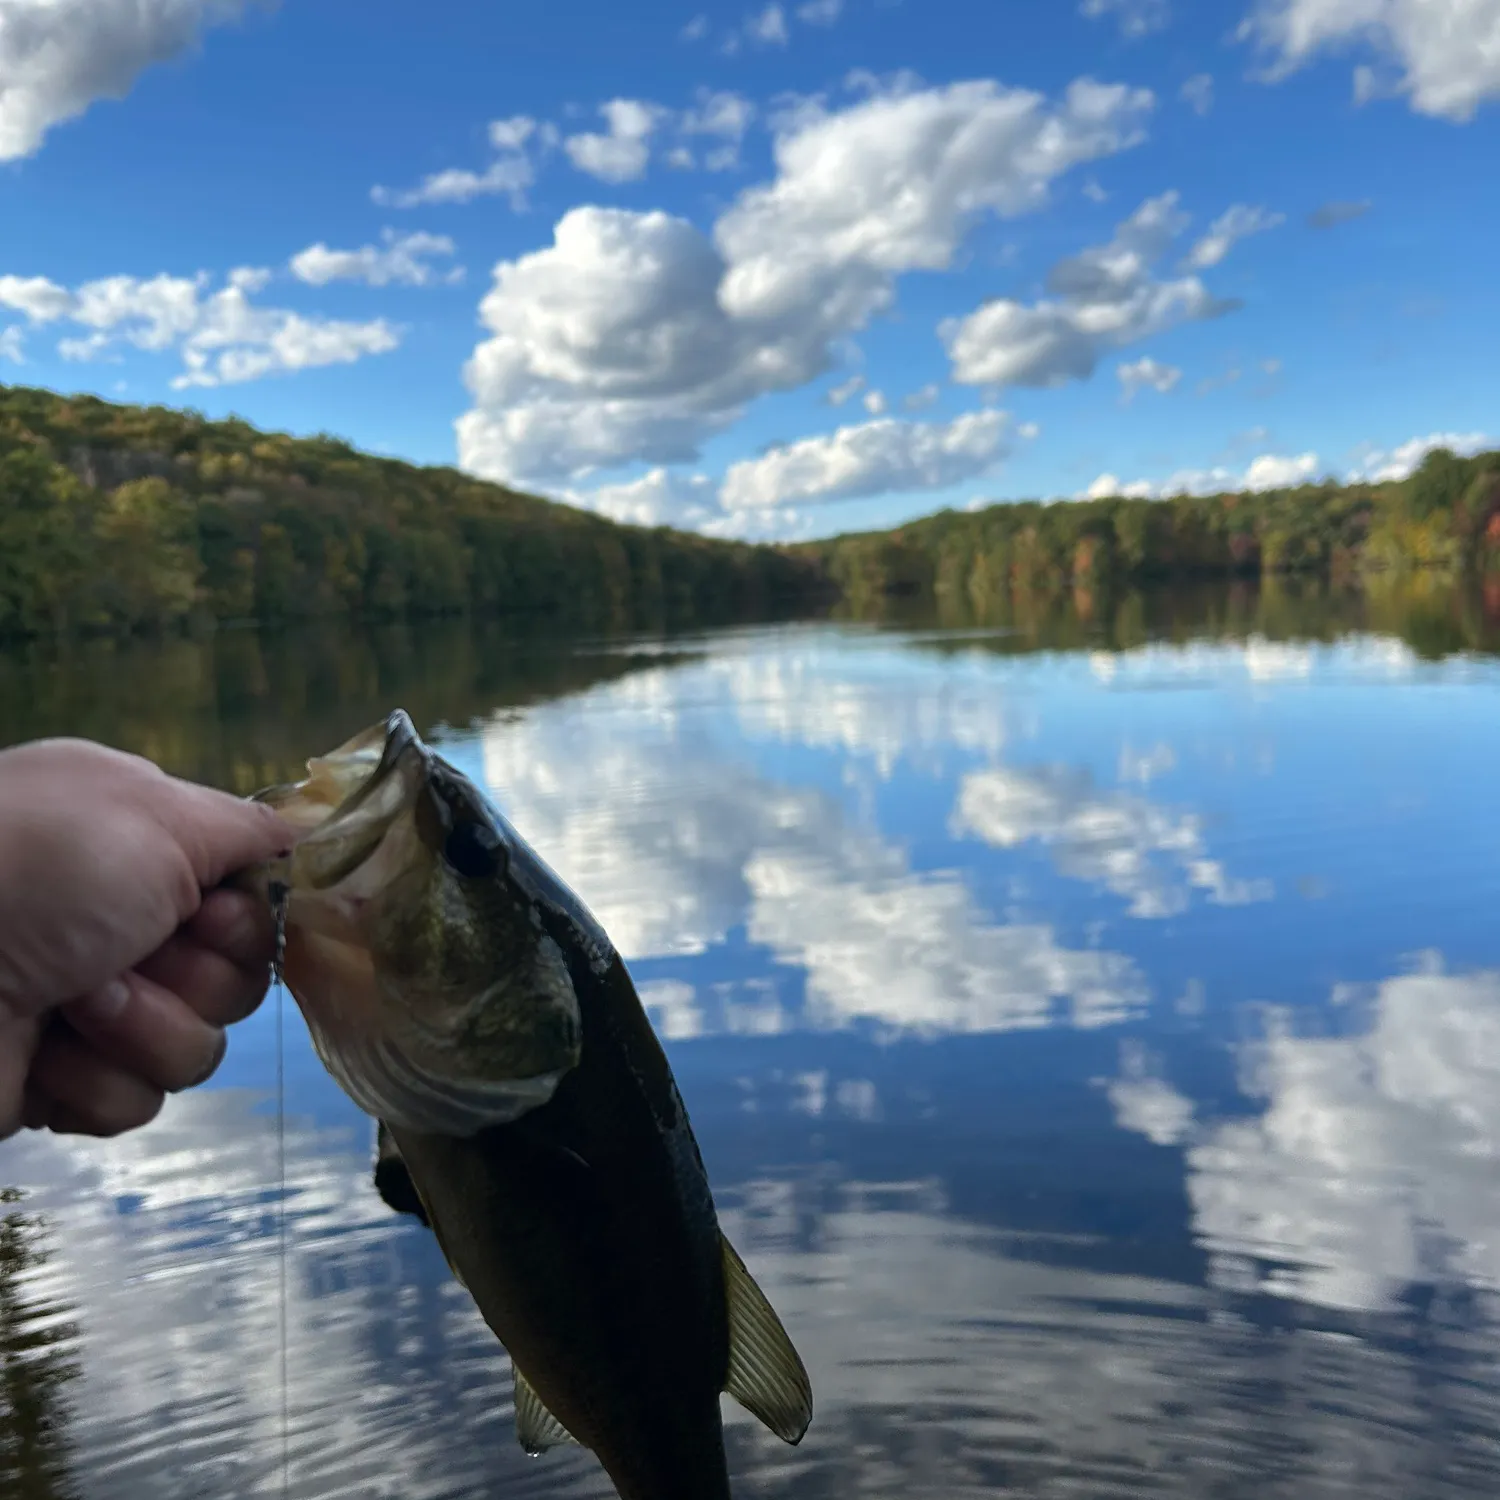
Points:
x=57 y=57
x=1270 y=471
x=1103 y=298
x=1198 y=91
x=1335 y=212
x=1379 y=465
x=921 y=399
x=873 y=458
x=400 y=259
x=509 y=175
x=634 y=336
x=1135 y=18
x=1234 y=224
x=12 y=345
x=1146 y=374
x=222 y=336
x=1145 y=854
x=660 y=497
x=1446 y=53
x=621 y=153
x=874 y=402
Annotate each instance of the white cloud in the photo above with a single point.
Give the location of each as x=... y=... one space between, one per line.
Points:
x=621 y=154
x=718 y=114
x=402 y=259
x=768 y=27
x=511 y=133
x=223 y=338
x=1103 y=298
x=633 y=336
x=1136 y=18
x=41 y=300
x=920 y=400
x=820 y=12
x=1273 y=472
x=1270 y=471
x=660 y=497
x=695 y=30
x=874 y=402
x=509 y=175
x=12 y=344
x=1198 y=91
x=57 y=57
x=1234 y=224
x=1146 y=855
x=846 y=389
x=1146 y=374
x=1379 y=465
x=874 y=458
x=1374 y=1164
x=1447 y=51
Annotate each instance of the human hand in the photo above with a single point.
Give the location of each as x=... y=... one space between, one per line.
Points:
x=120 y=963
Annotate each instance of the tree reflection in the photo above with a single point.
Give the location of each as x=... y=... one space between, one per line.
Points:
x=36 y=1365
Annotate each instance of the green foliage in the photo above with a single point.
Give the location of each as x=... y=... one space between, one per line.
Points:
x=121 y=518
x=1446 y=516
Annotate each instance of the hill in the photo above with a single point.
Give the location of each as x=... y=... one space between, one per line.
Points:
x=1445 y=516
x=120 y=518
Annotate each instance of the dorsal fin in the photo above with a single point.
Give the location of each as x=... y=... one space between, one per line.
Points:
x=536 y=1428
x=766 y=1376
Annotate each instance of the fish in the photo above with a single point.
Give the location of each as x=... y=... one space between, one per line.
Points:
x=464 y=997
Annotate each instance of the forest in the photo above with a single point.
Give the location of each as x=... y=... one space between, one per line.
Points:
x=1444 y=518
x=118 y=519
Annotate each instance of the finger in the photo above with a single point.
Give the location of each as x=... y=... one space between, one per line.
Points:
x=220 y=833
x=237 y=924
x=217 y=990
x=148 y=1031
x=87 y=1093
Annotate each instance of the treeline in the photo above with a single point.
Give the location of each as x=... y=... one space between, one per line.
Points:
x=116 y=519
x=1446 y=516
x=122 y=518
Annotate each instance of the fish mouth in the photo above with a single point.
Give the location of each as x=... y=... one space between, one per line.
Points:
x=361 y=816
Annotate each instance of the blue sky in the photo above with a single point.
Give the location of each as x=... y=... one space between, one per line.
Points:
x=770 y=270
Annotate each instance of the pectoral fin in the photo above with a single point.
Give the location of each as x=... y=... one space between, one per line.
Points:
x=536 y=1428
x=766 y=1376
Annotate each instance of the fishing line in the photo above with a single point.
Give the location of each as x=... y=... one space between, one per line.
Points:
x=279 y=895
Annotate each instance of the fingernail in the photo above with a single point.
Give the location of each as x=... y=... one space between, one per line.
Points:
x=106 y=1003
x=220 y=1047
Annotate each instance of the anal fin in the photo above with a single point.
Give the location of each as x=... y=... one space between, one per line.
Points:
x=766 y=1375
x=536 y=1428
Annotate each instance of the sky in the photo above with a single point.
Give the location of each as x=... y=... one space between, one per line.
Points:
x=771 y=271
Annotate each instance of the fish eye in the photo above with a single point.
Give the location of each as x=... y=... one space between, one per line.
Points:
x=472 y=850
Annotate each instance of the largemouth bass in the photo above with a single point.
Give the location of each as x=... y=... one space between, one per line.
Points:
x=466 y=999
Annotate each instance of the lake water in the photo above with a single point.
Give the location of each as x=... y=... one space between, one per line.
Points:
x=1095 y=1053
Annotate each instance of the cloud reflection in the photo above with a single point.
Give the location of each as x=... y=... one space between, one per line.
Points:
x=1374 y=1165
x=1148 y=855
x=675 y=841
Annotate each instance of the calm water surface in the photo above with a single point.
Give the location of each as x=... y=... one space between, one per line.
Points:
x=1095 y=1053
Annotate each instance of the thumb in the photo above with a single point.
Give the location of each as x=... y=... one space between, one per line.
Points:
x=221 y=833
